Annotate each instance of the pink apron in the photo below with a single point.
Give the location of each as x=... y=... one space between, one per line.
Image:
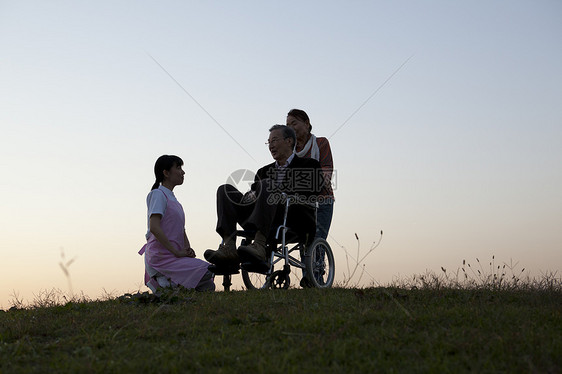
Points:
x=186 y=271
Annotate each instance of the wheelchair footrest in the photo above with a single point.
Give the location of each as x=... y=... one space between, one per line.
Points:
x=261 y=267
x=224 y=269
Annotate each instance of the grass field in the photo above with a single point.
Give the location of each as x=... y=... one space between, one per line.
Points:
x=419 y=326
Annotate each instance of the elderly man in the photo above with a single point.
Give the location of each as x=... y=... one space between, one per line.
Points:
x=261 y=208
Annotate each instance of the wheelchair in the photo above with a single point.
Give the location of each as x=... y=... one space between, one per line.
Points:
x=288 y=249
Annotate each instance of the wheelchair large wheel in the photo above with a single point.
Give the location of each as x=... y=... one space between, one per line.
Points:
x=320 y=265
x=254 y=281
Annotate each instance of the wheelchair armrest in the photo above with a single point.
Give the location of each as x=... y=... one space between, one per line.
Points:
x=299 y=200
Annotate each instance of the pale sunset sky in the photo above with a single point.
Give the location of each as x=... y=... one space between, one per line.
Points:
x=444 y=117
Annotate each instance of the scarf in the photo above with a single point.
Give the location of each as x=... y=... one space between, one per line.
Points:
x=311 y=143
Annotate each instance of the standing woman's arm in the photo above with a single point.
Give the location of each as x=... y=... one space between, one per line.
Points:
x=326 y=160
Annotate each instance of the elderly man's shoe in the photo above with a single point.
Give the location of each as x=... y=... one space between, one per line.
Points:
x=225 y=255
x=254 y=252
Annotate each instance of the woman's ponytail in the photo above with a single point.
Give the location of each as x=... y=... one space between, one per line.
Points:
x=155 y=185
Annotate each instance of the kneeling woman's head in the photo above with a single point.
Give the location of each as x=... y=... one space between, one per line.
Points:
x=168 y=171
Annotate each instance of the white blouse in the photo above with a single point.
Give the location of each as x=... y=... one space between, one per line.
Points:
x=156 y=203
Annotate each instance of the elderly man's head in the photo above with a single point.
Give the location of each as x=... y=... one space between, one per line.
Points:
x=281 y=142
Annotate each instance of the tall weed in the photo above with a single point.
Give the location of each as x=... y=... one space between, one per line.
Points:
x=504 y=276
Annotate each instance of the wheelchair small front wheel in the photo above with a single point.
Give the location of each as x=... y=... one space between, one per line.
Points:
x=320 y=265
x=255 y=281
x=280 y=280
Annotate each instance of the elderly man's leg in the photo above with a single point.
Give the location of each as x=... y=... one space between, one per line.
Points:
x=261 y=219
x=230 y=211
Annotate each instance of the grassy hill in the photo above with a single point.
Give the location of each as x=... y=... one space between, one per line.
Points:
x=340 y=330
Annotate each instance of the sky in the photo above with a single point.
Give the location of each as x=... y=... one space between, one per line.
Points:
x=444 y=118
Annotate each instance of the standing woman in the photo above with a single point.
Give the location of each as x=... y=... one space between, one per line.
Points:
x=168 y=257
x=318 y=148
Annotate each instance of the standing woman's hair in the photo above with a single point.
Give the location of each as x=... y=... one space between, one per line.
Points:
x=165 y=162
x=301 y=114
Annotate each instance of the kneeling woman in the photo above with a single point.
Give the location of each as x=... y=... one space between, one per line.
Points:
x=168 y=257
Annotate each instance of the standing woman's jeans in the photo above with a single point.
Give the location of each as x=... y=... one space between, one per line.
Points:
x=324 y=215
x=324 y=218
